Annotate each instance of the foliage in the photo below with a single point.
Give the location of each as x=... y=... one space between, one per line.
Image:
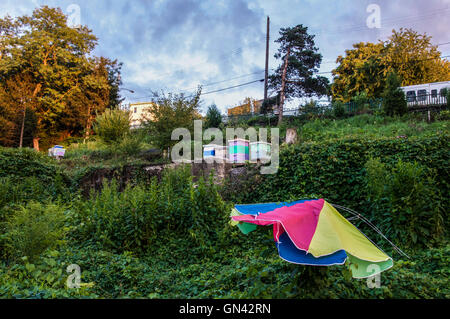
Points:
x=268 y=105
x=213 y=117
x=66 y=84
x=338 y=109
x=394 y=100
x=169 y=112
x=303 y=63
x=115 y=81
x=133 y=219
x=32 y=229
x=335 y=170
x=22 y=163
x=43 y=278
x=171 y=238
x=113 y=125
x=410 y=204
x=409 y=54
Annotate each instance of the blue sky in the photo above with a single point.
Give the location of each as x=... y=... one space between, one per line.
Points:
x=176 y=45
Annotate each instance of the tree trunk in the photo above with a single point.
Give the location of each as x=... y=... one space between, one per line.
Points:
x=36 y=143
x=22 y=127
x=88 y=125
x=36 y=139
x=283 y=86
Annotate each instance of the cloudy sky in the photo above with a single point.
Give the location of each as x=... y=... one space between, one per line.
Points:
x=176 y=45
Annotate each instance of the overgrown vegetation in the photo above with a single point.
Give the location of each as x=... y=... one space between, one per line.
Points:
x=171 y=238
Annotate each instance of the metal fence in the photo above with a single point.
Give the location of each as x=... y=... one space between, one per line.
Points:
x=424 y=100
x=420 y=102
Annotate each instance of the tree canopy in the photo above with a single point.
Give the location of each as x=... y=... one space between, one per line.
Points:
x=69 y=85
x=299 y=67
x=407 y=53
x=169 y=112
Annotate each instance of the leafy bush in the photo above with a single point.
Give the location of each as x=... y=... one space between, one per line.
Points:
x=112 y=125
x=338 y=109
x=133 y=219
x=32 y=229
x=27 y=162
x=394 y=100
x=15 y=191
x=130 y=145
x=334 y=169
x=406 y=203
x=43 y=278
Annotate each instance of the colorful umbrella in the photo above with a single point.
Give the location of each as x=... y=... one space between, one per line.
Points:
x=312 y=232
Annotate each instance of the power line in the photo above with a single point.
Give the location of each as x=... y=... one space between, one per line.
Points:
x=222 y=81
x=232 y=87
x=211 y=92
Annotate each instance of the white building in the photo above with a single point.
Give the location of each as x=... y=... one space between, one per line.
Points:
x=139 y=113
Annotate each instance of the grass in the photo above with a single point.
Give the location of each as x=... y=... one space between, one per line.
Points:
x=370 y=126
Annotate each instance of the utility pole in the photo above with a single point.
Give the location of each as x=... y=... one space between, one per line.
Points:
x=283 y=86
x=266 y=79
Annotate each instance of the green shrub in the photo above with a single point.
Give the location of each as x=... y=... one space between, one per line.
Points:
x=34 y=228
x=133 y=219
x=112 y=125
x=335 y=170
x=130 y=145
x=15 y=190
x=394 y=100
x=407 y=204
x=27 y=162
x=338 y=109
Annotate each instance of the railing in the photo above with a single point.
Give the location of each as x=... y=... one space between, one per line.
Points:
x=355 y=107
x=426 y=100
x=414 y=103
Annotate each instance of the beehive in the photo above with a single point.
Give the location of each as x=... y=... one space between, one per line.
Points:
x=213 y=152
x=260 y=151
x=238 y=150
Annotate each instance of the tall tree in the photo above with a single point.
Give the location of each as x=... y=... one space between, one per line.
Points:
x=168 y=112
x=297 y=75
x=362 y=70
x=59 y=60
x=213 y=117
x=407 y=53
x=16 y=94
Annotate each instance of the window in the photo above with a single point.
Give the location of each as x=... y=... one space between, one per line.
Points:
x=434 y=93
x=411 y=96
x=422 y=95
x=135 y=110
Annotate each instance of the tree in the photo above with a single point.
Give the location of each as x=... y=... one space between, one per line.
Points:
x=113 y=125
x=394 y=100
x=407 y=53
x=213 y=117
x=297 y=76
x=16 y=94
x=362 y=70
x=59 y=60
x=169 y=112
